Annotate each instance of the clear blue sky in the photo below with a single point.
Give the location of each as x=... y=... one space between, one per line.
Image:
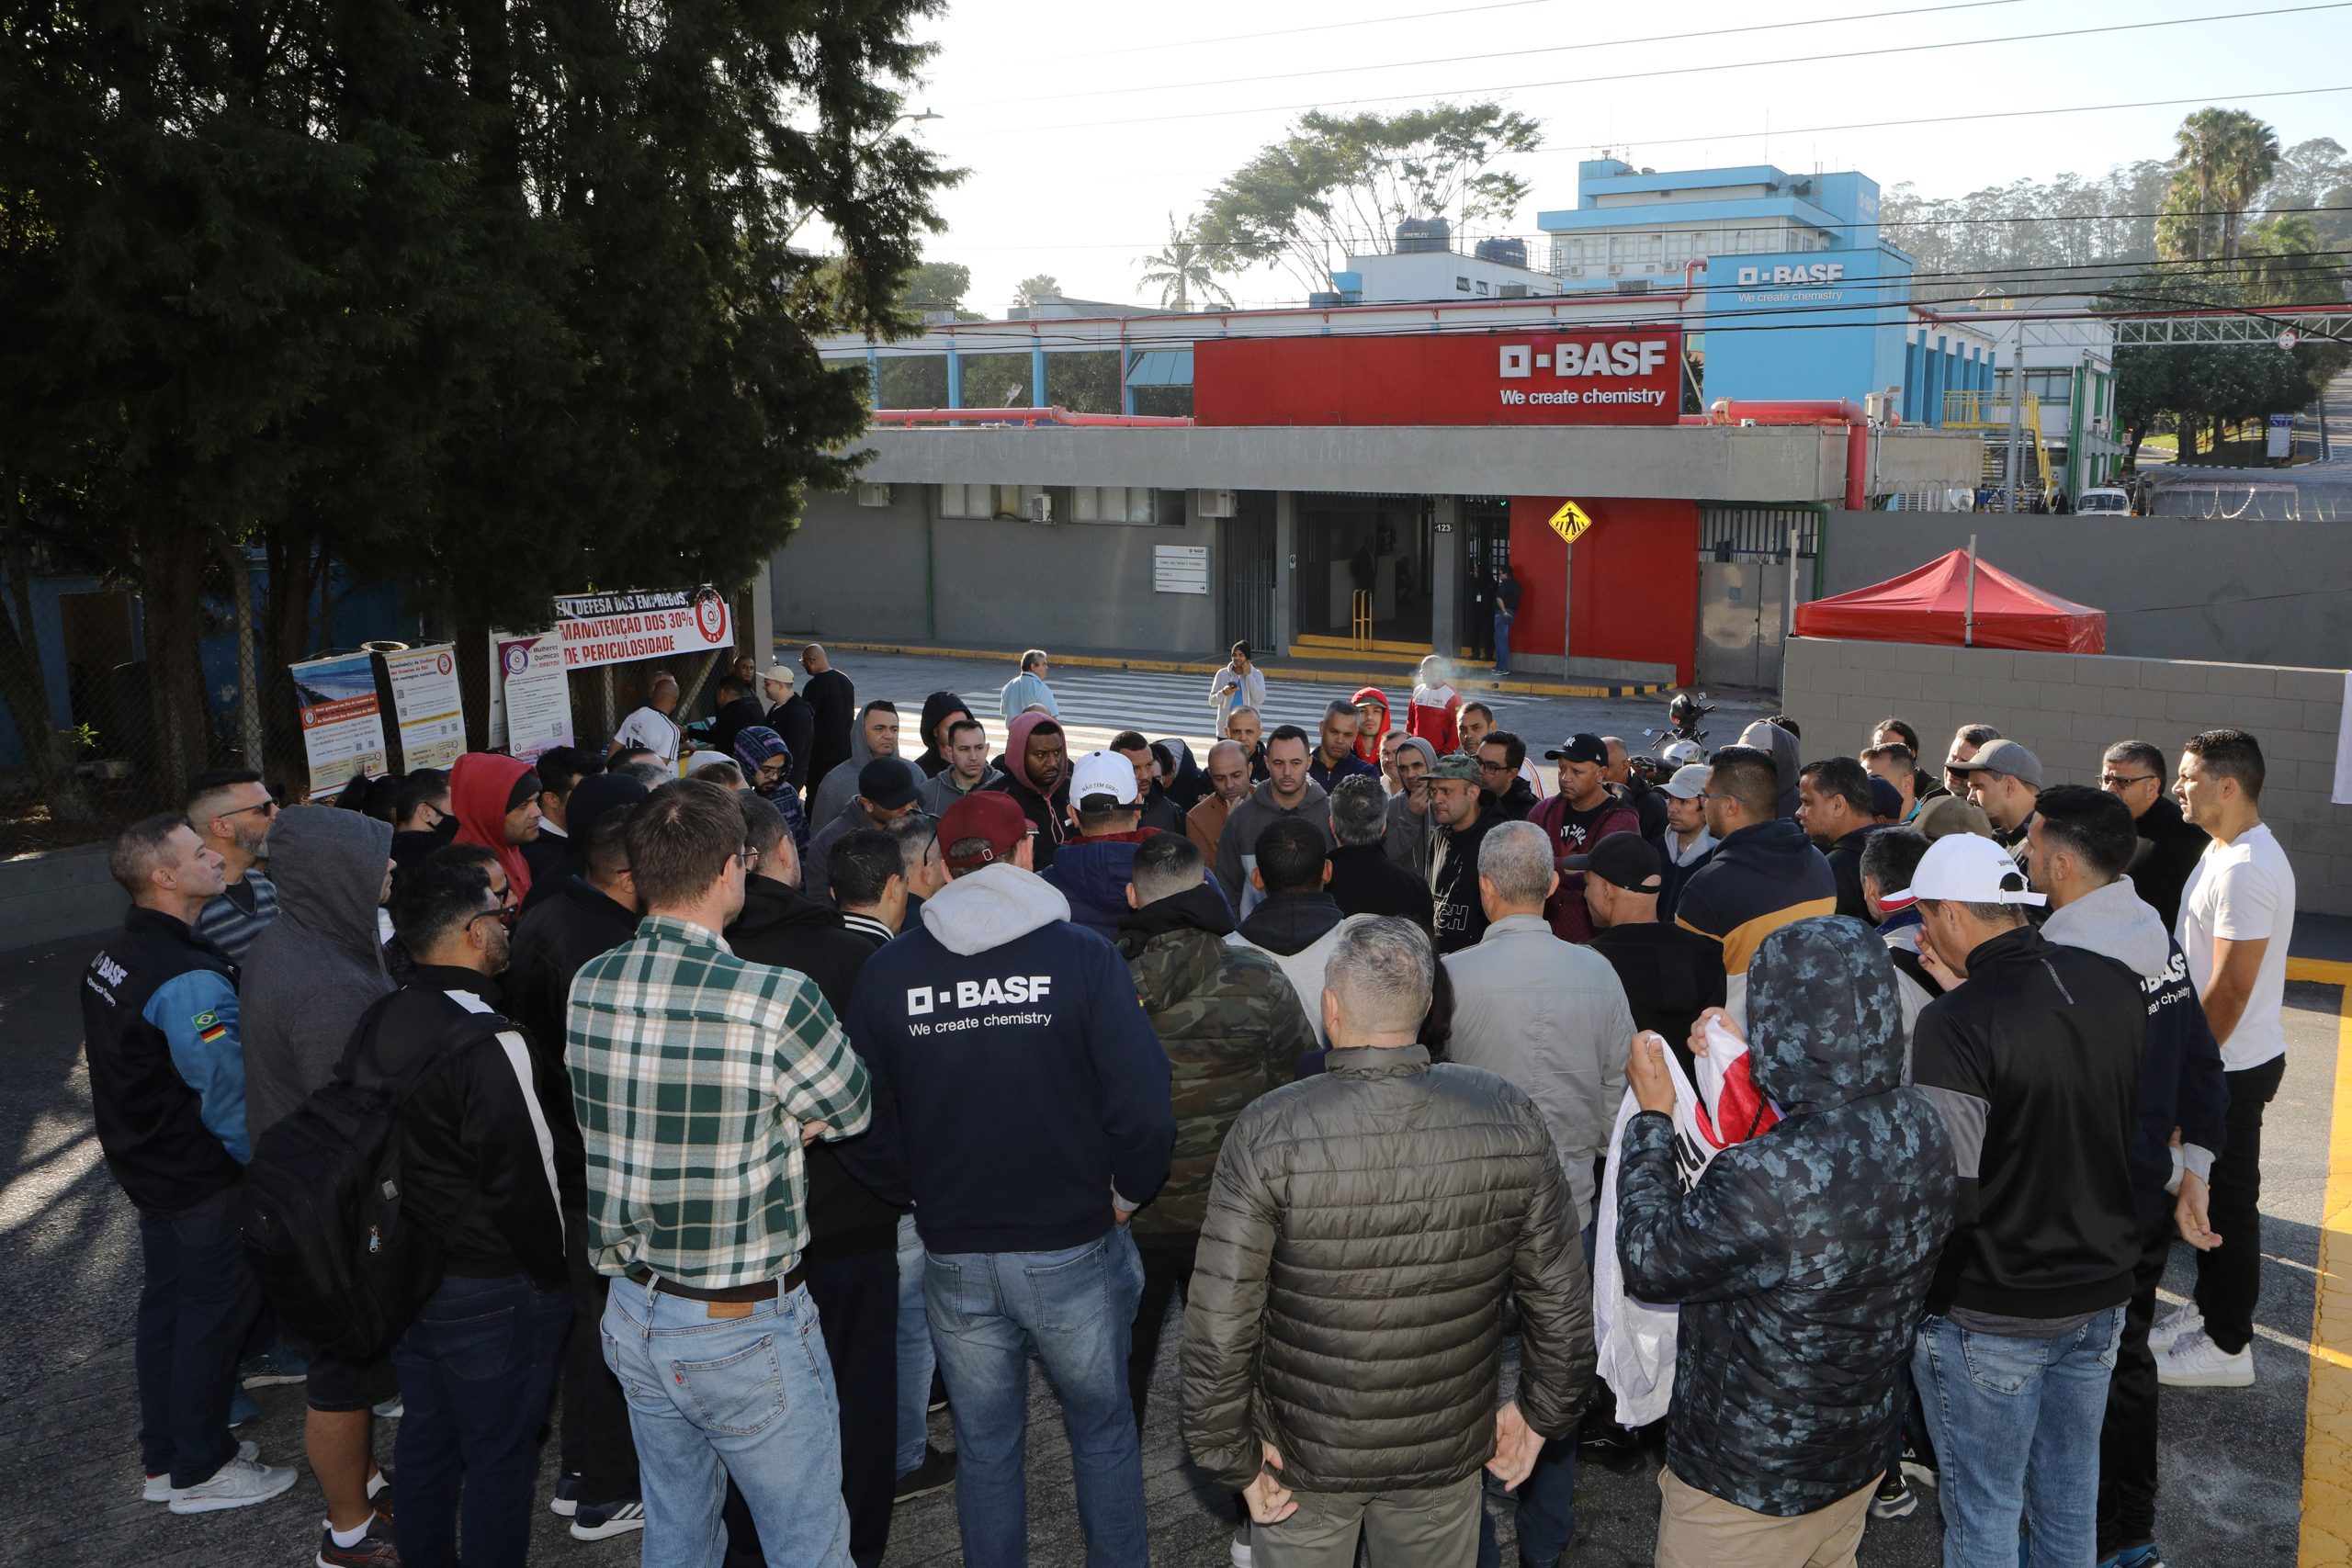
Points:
x=1047 y=102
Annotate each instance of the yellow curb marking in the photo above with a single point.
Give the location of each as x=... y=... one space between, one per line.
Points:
x=2326 y=1539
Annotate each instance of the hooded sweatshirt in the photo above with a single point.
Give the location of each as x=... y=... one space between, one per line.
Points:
x=1368 y=735
x=754 y=744
x=1781 y=747
x=319 y=965
x=2180 y=1067
x=481 y=787
x=1048 y=813
x=1188 y=786
x=1237 y=850
x=1803 y=1256
x=1094 y=873
x=1764 y=876
x=839 y=788
x=937 y=708
x=1032 y=1091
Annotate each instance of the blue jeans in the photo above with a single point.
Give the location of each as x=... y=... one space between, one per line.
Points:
x=197 y=1303
x=477 y=1369
x=915 y=1358
x=1503 y=619
x=748 y=1396
x=1073 y=1308
x=1547 y=1498
x=2015 y=1424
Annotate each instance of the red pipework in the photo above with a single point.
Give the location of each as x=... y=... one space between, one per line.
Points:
x=1052 y=414
x=1812 y=411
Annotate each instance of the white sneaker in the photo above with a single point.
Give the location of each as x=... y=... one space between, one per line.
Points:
x=2180 y=1320
x=159 y=1488
x=2193 y=1361
x=240 y=1484
x=392 y=1409
x=1241 y=1553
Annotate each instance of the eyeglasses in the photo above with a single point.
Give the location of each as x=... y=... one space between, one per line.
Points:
x=751 y=857
x=267 y=807
x=1487 y=767
x=2117 y=781
x=498 y=914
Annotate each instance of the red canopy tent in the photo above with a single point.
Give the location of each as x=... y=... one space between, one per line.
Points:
x=1931 y=606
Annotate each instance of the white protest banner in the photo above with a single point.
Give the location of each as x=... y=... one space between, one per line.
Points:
x=425 y=708
x=616 y=628
x=342 y=731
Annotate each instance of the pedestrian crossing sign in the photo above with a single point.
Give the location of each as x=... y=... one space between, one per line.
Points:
x=1571 y=521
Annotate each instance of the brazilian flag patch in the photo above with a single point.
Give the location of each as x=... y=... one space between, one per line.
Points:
x=208 y=1027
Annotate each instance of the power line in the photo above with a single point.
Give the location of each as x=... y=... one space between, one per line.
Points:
x=1129 y=88
x=1677 y=70
x=1155 y=47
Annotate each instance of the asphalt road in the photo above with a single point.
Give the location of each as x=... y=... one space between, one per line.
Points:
x=69 y=1460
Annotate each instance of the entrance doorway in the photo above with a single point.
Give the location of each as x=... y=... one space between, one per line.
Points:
x=1375 y=546
x=1246 y=592
x=1746 y=579
x=1485 y=554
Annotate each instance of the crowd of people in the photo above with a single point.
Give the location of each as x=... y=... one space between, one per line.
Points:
x=760 y=1081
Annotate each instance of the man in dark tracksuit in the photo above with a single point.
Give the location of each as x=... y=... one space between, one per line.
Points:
x=1765 y=873
x=1801 y=1258
x=2035 y=1065
x=167 y=1083
x=2082 y=841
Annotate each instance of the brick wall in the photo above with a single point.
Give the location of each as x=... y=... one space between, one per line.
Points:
x=2068 y=709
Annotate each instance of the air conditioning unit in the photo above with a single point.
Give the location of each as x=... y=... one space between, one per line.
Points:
x=1215 y=503
x=1878 y=407
x=872 y=495
x=1039 y=508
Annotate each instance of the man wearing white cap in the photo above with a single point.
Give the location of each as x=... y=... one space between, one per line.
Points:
x=1688 y=843
x=791 y=718
x=2035 y=1065
x=1093 y=870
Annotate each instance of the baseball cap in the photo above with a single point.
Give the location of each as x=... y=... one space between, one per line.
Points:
x=1964 y=869
x=1580 y=748
x=888 y=783
x=778 y=673
x=1948 y=814
x=989 y=816
x=1455 y=766
x=2003 y=757
x=1688 y=782
x=1885 y=799
x=1100 y=773
x=1627 y=859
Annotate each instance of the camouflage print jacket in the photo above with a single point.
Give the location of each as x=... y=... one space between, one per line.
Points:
x=1802 y=1258
x=1230 y=1023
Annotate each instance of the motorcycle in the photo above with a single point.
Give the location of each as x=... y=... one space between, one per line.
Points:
x=1681 y=743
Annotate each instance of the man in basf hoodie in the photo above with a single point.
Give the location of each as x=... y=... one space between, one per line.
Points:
x=2081 y=840
x=1765 y=874
x=1033 y=1103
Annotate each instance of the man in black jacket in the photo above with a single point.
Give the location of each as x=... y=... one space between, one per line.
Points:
x=2035 y=1064
x=590 y=914
x=1459 y=820
x=1291 y=871
x=1635 y=790
x=833 y=704
x=1800 y=1259
x=1364 y=881
x=1501 y=756
x=555 y=854
x=477 y=1363
x=852 y=1258
x=791 y=718
x=1834 y=807
x=1670 y=975
x=2136 y=773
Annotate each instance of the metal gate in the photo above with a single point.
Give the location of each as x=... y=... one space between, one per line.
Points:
x=1247 y=587
x=1486 y=550
x=1744 y=582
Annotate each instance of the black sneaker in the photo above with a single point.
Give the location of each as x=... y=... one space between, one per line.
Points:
x=375 y=1550
x=567 y=1495
x=1894 y=1499
x=936 y=1472
x=1918 y=1466
x=1608 y=1445
x=602 y=1521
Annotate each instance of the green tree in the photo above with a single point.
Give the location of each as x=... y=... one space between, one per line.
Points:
x=2198 y=388
x=937 y=289
x=1340 y=184
x=1031 y=289
x=2221 y=158
x=1181 y=269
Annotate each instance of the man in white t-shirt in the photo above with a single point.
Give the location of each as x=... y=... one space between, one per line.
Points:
x=2237 y=917
x=651 y=727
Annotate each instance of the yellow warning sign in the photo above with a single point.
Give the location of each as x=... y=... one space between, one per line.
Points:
x=1571 y=521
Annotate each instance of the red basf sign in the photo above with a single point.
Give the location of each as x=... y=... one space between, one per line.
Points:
x=1630 y=375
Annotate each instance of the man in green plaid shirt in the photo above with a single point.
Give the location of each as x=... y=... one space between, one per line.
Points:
x=697 y=1078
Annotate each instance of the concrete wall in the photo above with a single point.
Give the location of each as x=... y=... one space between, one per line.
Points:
x=2172 y=588
x=61 y=893
x=858 y=571
x=2069 y=708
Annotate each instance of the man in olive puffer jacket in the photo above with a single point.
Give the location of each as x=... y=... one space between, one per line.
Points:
x=1343 y=1343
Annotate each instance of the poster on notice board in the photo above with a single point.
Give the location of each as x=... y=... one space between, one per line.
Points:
x=531 y=699
x=343 y=728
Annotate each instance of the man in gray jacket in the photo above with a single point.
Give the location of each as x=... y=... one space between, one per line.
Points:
x=312 y=974
x=1287 y=791
x=1349 y=1388
x=1552 y=1018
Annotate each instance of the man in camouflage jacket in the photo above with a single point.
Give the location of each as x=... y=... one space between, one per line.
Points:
x=1233 y=1029
x=1801 y=1260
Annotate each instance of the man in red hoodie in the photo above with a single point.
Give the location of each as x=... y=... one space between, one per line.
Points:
x=495 y=799
x=1579 y=816
x=1036 y=765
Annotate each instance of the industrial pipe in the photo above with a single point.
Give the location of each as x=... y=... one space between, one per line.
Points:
x=1812 y=411
x=1051 y=414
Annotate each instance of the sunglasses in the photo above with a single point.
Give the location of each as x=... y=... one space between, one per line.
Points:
x=2117 y=781
x=267 y=807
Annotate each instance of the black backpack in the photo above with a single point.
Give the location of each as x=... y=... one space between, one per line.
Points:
x=323 y=1202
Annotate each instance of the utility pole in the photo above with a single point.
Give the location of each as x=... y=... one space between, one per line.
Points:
x=2017 y=422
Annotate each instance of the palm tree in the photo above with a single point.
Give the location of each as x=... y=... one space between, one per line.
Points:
x=1182 y=269
x=2221 y=157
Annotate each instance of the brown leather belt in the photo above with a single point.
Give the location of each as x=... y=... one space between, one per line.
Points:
x=765 y=1290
